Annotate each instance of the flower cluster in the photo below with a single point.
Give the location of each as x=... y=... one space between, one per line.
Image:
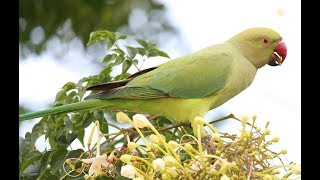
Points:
x=217 y=155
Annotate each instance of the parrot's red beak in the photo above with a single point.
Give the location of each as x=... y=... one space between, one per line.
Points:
x=279 y=54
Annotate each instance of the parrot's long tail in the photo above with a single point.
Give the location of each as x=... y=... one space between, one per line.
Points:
x=84 y=105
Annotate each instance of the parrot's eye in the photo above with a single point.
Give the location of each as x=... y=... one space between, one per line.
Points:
x=265 y=41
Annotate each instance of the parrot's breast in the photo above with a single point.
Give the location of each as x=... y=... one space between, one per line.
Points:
x=242 y=75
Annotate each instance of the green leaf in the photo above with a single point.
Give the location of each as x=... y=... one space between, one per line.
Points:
x=143 y=43
x=57 y=158
x=68 y=122
x=81 y=136
x=108 y=58
x=119 y=51
x=121 y=76
x=135 y=62
x=163 y=54
x=75 y=153
x=98 y=115
x=141 y=51
x=61 y=95
x=25 y=144
x=46 y=175
x=76 y=99
x=76 y=118
x=44 y=161
x=106 y=72
x=152 y=53
x=132 y=51
x=119 y=60
x=151 y=45
x=110 y=43
x=52 y=141
x=86 y=120
x=104 y=127
x=126 y=65
x=66 y=139
x=29 y=159
x=68 y=86
x=72 y=94
x=60 y=121
x=102 y=35
x=120 y=35
x=32 y=171
x=37 y=131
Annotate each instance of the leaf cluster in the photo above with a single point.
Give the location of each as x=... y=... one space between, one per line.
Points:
x=63 y=129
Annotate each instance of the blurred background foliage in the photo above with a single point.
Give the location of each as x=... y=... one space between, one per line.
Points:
x=55 y=27
x=41 y=20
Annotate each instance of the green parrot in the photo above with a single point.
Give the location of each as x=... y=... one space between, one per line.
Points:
x=189 y=86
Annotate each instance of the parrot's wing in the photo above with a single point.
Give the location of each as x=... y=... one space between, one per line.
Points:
x=194 y=76
x=115 y=84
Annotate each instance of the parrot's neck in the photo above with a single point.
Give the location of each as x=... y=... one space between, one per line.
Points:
x=250 y=55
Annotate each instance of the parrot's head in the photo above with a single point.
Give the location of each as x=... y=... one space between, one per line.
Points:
x=261 y=46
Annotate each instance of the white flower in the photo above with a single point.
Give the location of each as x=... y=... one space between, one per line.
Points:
x=140 y=121
x=122 y=117
x=158 y=164
x=128 y=171
x=97 y=162
x=196 y=166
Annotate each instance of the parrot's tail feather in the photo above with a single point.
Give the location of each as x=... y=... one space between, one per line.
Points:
x=84 y=105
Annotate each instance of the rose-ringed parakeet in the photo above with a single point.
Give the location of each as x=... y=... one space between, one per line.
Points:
x=188 y=86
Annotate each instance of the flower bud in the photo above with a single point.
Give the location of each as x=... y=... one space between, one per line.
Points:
x=140 y=121
x=267 y=132
x=170 y=161
x=132 y=145
x=275 y=139
x=122 y=117
x=283 y=151
x=126 y=158
x=188 y=147
x=172 y=172
x=158 y=164
x=173 y=144
x=215 y=137
x=254 y=117
x=154 y=139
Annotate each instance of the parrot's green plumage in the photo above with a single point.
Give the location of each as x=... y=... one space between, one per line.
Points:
x=191 y=85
